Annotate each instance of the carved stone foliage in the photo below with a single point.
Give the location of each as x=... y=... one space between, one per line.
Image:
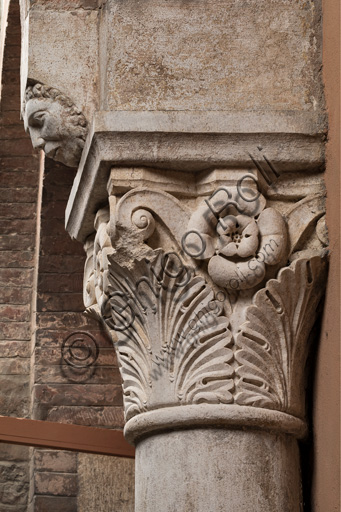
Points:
x=271 y=345
x=184 y=335
x=55 y=124
x=174 y=341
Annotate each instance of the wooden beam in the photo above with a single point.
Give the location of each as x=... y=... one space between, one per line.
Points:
x=62 y=436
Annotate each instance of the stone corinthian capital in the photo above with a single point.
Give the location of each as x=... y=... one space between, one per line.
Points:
x=209 y=295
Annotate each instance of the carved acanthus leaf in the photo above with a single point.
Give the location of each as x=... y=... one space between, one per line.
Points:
x=272 y=344
x=301 y=217
x=172 y=336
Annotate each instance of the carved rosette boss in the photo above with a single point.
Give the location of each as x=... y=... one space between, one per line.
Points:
x=210 y=307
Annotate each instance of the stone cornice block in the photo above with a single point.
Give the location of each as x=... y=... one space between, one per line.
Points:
x=191 y=142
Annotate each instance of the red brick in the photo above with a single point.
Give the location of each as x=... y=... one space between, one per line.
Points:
x=16 y=259
x=19 y=163
x=12 y=49
x=15 y=295
x=57 y=484
x=11 y=63
x=16 y=277
x=14 y=349
x=14 y=179
x=13 y=242
x=16 y=146
x=107 y=417
x=14 y=366
x=17 y=226
x=50 y=354
x=60 y=302
x=13 y=494
x=60 y=283
x=15 y=131
x=12 y=211
x=55 y=460
x=18 y=195
x=56 y=193
x=57 y=262
x=9 y=118
x=14 y=313
x=65 y=374
x=15 y=331
x=54 y=504
x=53 y=210
x=77 y=394
x=55 y=227
x=61 y=245
x=54 y=337
x=75 y=321
x=57 y=175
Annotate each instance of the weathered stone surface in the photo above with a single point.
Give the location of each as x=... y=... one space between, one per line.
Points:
x=179 y=470
x=14 y=396
x=9 y=452
x=106 y=484
x=210 y=319
x=212 y=56
x=14 y=493
x=57 y=461
x=13 y=471
x=56 y=484
x=67 y=54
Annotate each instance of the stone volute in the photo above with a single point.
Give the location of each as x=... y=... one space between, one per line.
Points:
x=199 y=199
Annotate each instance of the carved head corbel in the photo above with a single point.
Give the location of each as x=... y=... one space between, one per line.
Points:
x=55 y=124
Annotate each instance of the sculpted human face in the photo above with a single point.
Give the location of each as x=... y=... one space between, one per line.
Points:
x=50 y=130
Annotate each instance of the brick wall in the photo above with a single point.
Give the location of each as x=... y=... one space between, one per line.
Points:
x=72 y=385
x=69 y=385
x=41 y=311
x=19 y=176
